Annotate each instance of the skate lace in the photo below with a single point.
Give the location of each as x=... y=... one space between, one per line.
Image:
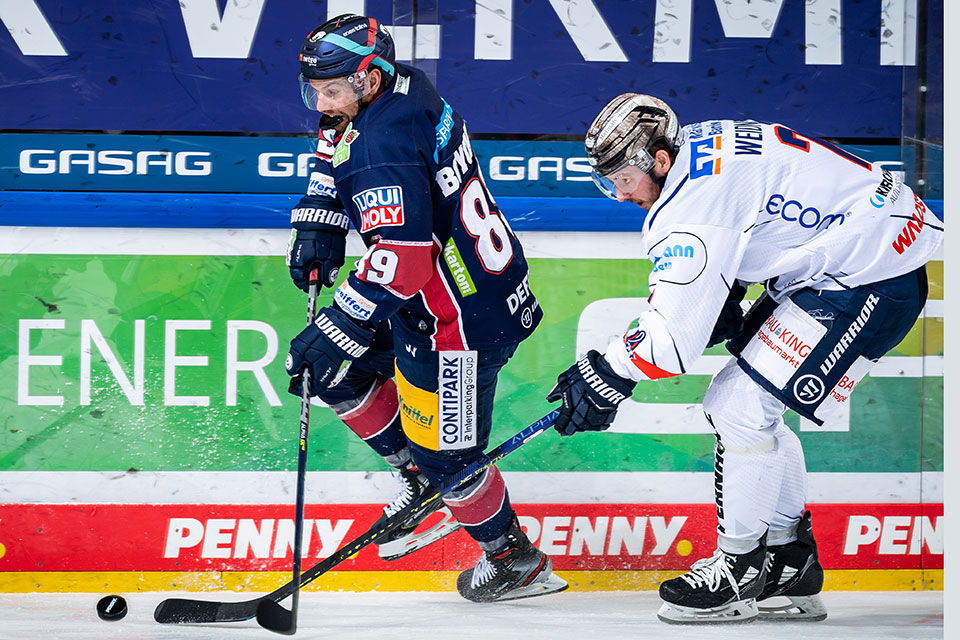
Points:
x=710 y=572
x=483 y=572
x=408 y=492
x=768 y=561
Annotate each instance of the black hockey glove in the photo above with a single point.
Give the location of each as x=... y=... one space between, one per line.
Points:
x=591 y=393
x=315 y=247
x=730 y=321
x=322 y=347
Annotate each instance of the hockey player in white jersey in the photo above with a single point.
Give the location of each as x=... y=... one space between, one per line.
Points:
x=840 y=246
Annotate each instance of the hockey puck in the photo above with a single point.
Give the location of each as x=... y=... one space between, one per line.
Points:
x=111 y=608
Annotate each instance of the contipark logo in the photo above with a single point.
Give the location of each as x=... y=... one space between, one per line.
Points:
x=457 y=391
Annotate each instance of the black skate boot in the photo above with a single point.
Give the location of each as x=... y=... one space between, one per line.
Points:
x=405 y=539
x=722 y=588
x=519 y=571
x=795 y=578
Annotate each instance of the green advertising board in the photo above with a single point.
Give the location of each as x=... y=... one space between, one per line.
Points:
x=116 y=361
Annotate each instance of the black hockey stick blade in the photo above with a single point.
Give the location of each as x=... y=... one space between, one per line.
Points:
x=272 y=616
x=182 y=611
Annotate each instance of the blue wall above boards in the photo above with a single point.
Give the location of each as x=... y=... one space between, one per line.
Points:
x=833 y=69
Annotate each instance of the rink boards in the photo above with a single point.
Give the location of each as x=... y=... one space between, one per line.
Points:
x=150 y=441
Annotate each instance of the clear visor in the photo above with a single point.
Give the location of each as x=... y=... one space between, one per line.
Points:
x=334 y=94
x=605 y=185
x=642 y=160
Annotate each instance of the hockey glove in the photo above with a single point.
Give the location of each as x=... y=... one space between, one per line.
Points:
x=322 y=248
x=730 y=321
x=322 y=347
x=591 y=393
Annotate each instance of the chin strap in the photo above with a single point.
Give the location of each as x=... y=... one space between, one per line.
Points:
x=329 y=122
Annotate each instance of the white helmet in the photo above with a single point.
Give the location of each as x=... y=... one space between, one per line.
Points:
x=623 y=134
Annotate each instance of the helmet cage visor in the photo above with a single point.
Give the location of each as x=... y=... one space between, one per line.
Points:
x=332 y=94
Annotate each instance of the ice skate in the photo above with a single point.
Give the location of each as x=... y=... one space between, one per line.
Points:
x=519 y=571
x=794 y=579
x=720 y=589
x=406 y=539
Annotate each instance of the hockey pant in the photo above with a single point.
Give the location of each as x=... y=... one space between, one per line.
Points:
x=807 y=353
x=419 y=421
x=446 y=408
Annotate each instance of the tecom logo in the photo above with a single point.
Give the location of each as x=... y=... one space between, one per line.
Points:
x=794 y=211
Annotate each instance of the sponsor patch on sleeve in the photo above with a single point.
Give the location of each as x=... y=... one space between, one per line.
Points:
x=352 y=303
x=380 y=207
x=321 y=184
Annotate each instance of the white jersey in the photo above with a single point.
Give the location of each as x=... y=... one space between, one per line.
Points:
x=761 y=203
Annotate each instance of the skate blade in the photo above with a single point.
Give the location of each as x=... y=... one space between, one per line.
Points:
x=797 y=608
x=406 y=545
x=739 y=612
x=542 y=586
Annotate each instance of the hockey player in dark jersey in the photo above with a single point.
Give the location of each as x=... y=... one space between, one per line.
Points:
x=434 y=308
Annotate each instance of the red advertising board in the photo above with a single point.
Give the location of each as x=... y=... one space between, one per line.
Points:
x=638 y=537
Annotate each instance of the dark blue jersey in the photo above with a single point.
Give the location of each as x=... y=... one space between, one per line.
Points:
x=442 y=262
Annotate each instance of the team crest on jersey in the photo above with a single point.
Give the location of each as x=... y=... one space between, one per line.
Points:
x=380 y=207
x=633 y=339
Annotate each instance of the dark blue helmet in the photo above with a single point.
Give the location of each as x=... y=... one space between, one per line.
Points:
x=345 y=45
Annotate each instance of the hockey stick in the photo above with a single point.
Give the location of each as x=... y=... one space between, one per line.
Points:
x=184 y=611
x=276 y=618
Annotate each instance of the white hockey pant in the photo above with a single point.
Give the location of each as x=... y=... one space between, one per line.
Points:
x=760 y=476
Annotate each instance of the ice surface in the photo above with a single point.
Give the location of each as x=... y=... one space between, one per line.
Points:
x=903 y=615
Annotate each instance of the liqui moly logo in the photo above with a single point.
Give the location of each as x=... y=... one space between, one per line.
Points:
x=380 y=207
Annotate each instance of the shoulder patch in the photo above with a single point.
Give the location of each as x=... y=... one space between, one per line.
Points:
x=342 y=153
x=401 y=84
x=705 y=157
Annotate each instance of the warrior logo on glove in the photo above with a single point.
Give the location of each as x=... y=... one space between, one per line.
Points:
x=591 y=393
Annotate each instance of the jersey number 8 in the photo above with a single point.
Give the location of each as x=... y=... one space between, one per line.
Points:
x=486 y=224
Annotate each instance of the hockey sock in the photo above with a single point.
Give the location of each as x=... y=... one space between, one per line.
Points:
x=375 y=417
x=483 y=508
